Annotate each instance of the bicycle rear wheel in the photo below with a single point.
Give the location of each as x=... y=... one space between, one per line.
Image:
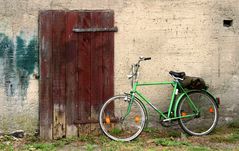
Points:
x=205 y=120
x=113 y=122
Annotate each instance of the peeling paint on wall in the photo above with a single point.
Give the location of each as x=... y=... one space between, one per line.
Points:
x=19 y=60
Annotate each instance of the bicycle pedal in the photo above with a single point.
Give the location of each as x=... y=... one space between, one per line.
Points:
x=165 y=124
x=168 y=123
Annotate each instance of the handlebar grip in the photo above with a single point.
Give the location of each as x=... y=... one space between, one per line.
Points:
x=149 y=58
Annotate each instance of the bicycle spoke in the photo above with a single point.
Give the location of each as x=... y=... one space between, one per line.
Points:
x=205 y=120
x=116 y=125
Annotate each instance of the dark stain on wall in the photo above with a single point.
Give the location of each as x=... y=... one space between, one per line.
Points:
x=18 y=60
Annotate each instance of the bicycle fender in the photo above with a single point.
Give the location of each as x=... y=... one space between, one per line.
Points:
x=215 y=100
x=183 y=94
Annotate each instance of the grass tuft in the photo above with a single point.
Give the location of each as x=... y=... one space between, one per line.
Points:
x=198 y=148
x=170 y=142
x=90 y=147
x=115 y=131
x=234 y=124
x=151 y=139
x=40 y=146
x=6 y=146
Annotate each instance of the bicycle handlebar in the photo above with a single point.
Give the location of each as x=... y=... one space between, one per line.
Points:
x=135 y=68
x=149 y=58
x=144 y=58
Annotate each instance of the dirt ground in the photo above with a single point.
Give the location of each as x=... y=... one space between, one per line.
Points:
x=222 y=138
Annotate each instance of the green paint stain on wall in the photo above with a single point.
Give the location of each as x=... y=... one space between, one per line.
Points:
x=26 y=56
x=26 y=59
x=7 y=61
x=6 y=46
x=19 y=61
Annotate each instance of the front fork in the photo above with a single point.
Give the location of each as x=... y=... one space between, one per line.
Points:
x=129 y=98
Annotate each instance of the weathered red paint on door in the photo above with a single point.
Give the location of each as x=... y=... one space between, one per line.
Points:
x=77 y=70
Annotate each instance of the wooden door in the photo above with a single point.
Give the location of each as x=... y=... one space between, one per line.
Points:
x=77 y=69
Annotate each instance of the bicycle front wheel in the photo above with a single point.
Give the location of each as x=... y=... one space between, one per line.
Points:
x=116 y=124
x=204 y=120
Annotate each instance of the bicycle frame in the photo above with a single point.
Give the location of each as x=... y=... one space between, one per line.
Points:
x=185 y=103
x=176 y=85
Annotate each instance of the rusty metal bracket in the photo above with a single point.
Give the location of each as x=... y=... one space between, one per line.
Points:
x=84 y=30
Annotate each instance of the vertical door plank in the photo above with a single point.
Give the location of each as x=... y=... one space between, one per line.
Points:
x=108 y=57
x=59 y=73
x=71 y=73
x=45 y=104
x=84 y=66
x=96 y=67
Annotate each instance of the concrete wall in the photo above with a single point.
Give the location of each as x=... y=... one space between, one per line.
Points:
x=179 y=35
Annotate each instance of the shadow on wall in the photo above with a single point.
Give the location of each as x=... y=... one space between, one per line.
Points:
x=18 y=61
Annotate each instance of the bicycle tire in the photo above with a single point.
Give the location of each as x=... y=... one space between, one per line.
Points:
x=120 y=129
x=206 y=121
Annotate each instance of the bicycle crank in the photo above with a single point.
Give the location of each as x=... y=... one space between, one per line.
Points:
x=168 y=123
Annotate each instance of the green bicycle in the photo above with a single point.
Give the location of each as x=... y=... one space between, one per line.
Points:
x=123 y=117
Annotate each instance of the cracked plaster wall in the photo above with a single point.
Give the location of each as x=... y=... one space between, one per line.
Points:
x=179 y=35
